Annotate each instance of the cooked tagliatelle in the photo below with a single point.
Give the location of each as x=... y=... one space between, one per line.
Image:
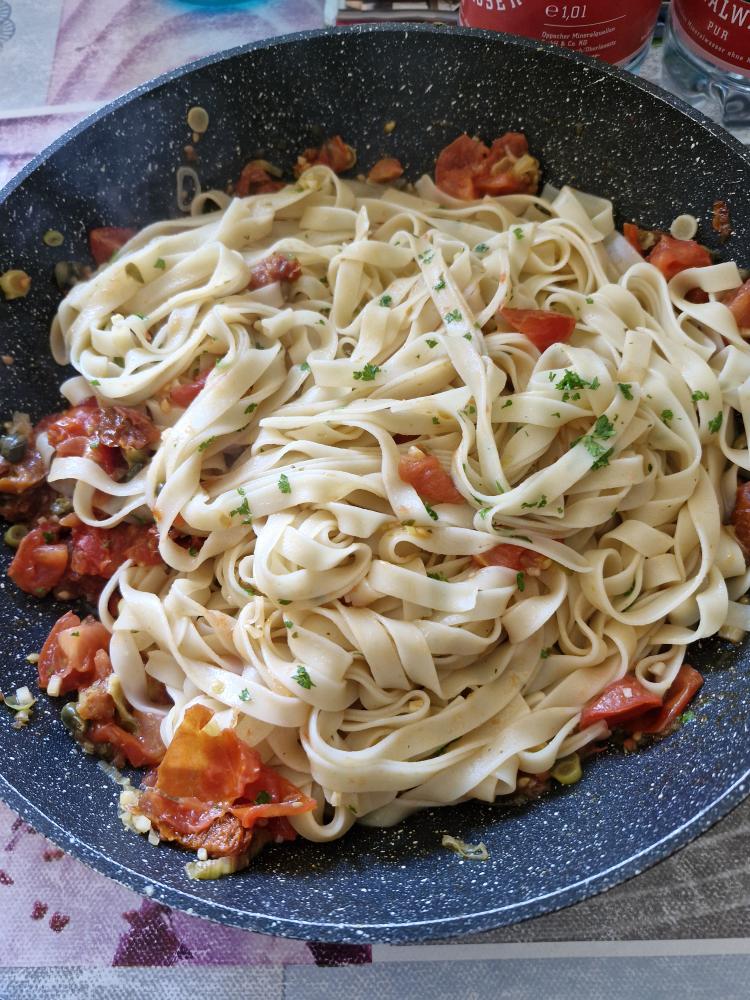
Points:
x=418 y=547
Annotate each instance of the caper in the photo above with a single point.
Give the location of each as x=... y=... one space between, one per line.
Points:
x=135 y=455
x=13 y=447
x=14 y=535
x=133 y=471
x=72 y=720
x=61 y=506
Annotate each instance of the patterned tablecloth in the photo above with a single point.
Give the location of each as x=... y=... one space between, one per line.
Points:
x=66 y=931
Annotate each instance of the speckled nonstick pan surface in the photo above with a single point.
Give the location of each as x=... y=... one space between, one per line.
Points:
x=593 y=127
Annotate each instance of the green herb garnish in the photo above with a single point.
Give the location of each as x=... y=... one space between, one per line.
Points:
x=303 y=679
x=284 y=484
x=368 y=373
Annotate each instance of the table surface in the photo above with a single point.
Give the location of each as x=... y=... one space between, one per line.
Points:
x=65 y=930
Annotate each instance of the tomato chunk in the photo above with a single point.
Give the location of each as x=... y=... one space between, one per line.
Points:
x=276 y=267
x=542 y=326
x=204 y=779
x=741 y=517
x=255 y=179
x=17 y=477
x=738 y=303
x=75 y=651
x=672 y=256
x=40 y=562
x=107 y=240
x=467 y=169
x=630 y=232
x=681 y=692
x=427 y=476
x=514 y=557
x=142 y=748
x=183 y=395
x=111 y=426
x=100 y=551
x=619 y=701
x=385 y=170
x=333 y=153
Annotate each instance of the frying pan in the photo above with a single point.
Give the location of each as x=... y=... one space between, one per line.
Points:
x=593 y=127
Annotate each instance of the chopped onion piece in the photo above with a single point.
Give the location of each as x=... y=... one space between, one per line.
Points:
x=472 y=852
x=216 y=867
x=184 y=199
x=684 y=227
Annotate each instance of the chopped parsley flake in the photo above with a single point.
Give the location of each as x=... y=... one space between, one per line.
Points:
x=368 y=373
x=206 y=444
x=426 y=257
x=440 y=285
x=603 y=428
x=94 y=381
x=484 y=512
x=521 y=582
x=288 y=624
x=545 y=652
x=262 y=798
x=589 y=300
x=430 y=511
x=284 y=602
x=244 y=695
x=303 y=679
x=594 y=383
x=454 y=316
x=467 y=336
x=284 y=484
x=666 y=416
x=518 y=233
x=506 y=404
x=699 y=395
x=435 y=420
x=120 y=362
x=242 y=511
x=48 y=537
x=715 y=425
x=385 y=300
x=557 y=414
x=431 y=342
x=304 y=367
x=192 y=551
x=438 y=576
x=686 y=717
x=630 y=591
x=625 y=389
x=541 y=502
x=571 y=380
x=250 y=407
x=352 y=809
x=600 y=454
x=160 y=263
x=469 y=410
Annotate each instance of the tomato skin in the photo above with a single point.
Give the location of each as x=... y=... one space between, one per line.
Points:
x=429 y=479
x=112 y=426
x=275 y=267
x=255 y=179
x=738 y=303
x=619 y=701
x=385 y=170
x=514 y=557
x=76 y=658
x=204 y=780
x=183 y=395
x=467 y=169
x=143 y=748
x=672 y=256
x=681 y=692
x=541 y=326
x=740 y=518
x=39 y=564
x=17 y=477
x=630 y=232
x=107 y=240
x=333 y=153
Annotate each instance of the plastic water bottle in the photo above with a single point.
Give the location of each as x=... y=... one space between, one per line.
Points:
x=707 y=57
x=618 y=33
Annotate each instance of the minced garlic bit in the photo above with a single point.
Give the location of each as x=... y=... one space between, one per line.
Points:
x=7 y=359
x=15 y=284
x=202 y=854
x=471 y=852
x=389 y=127
x=32 y=658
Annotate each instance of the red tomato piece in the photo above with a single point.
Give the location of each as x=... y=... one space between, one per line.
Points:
x=183 y=395
x=427 y=476
x=681 y=692
x=458 y=165
x=255 y=179
x=276 y=267
x=126 y=428
x=333 y=153
x=385 y=170
x=741 y=516
x=630 y=232
x=542 y=326
x=143 y=748
x=107 y=240
x=39 y=563
x=738 y=303
x=75 y=651
x=204 y=778
x=99 y=551
x=78 y=421
x=467 y=169
x=17 y=477
x=514 y=557
x=619 y=701
x=672 y=256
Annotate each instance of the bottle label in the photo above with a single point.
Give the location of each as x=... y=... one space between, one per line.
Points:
x=613 y=32
x=718 y=30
